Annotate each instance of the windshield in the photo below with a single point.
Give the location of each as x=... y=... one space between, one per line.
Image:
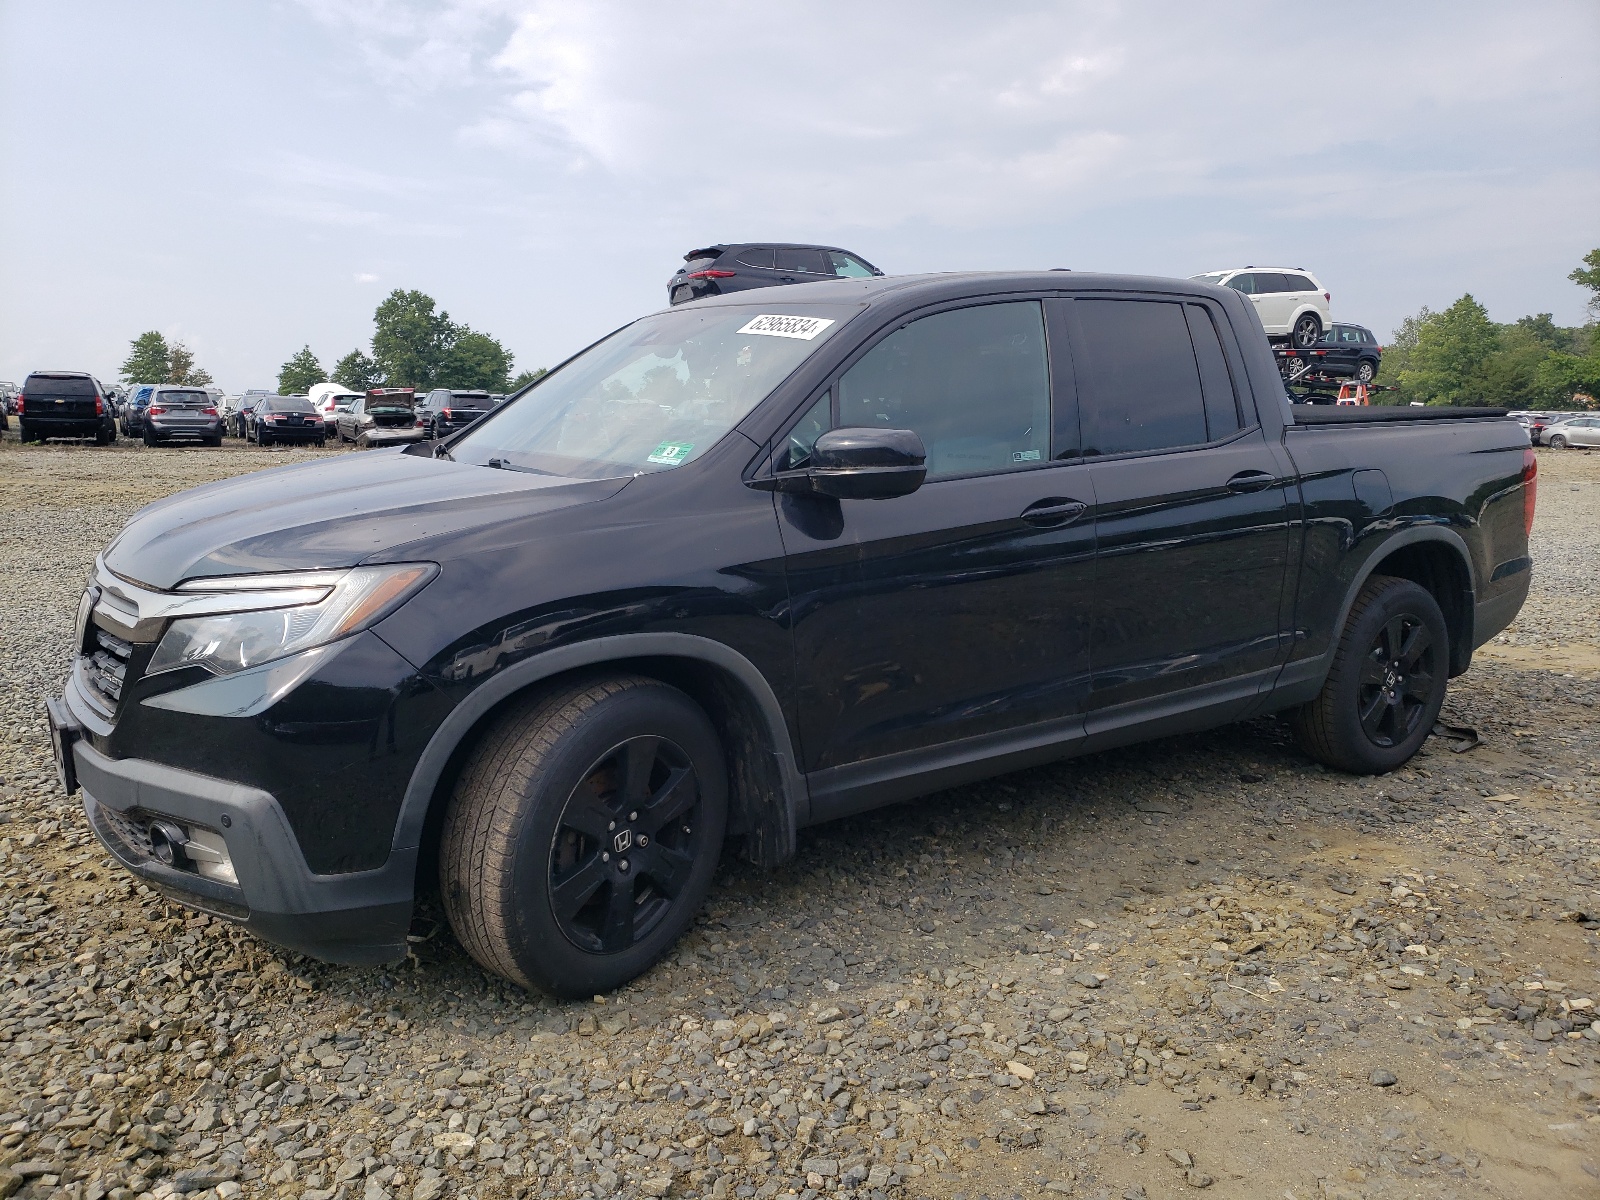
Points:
x=184 y=399
x=287 y=404
x=653 y=395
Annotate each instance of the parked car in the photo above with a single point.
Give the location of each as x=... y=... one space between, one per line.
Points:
x=130 y=415
x=1290 y=302
x=8 y=397
x=1574 y=431
x=865 y=542
x=1344 y=352
x=275 y=419
x=443 y=411
x=70 y=404
x=182 y=414
x=329 y=398
x=236 y=420
x=383 y=417
x=721 y=269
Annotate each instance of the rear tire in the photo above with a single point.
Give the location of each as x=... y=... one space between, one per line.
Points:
x=583 y=834
x=1306 y=331
x=150 y=439
x=1558 y=440
x=1367 y=371
x=1387 y=684
x=263 y=438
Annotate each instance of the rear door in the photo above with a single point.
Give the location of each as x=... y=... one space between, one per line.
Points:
x=1192 y=518
x=1274 y=301
x=800 y=264
x=961 y=611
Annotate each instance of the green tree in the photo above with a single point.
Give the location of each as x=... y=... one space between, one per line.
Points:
x=1510 y=376
x=1588 y=276
x=1446 y=365
x=411 y=341
x=475 y=360
x=357 y=372
x=301 y=373
x=181 y=367
x=148 y=359
x=526 y=377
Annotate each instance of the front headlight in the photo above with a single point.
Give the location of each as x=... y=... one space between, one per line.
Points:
x=224 y=642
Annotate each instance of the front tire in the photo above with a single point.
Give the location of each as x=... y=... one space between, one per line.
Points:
x=583 y=834
x=1387 y=684
x=1307 y=331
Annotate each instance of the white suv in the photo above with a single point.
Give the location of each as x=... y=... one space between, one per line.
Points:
x=1290 y=302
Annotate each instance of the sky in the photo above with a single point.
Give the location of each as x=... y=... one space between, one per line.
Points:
x=256 y=176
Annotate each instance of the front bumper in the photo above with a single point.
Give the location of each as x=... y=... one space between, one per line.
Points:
x=359 y=918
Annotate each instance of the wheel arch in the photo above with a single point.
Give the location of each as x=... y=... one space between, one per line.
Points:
x=768 y=794
x=1437 y=560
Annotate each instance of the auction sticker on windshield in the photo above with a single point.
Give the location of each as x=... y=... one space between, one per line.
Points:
x=773 y=325
x=670 y=454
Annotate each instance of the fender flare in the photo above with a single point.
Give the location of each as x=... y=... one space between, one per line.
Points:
x=596 y=652
x=1414 y=536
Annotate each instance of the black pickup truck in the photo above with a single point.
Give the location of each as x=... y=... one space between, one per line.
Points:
x=754 y=563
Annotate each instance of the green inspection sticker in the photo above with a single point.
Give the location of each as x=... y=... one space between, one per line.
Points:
x=670 y=454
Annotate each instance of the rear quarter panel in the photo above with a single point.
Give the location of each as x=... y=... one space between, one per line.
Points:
x=1458 y=481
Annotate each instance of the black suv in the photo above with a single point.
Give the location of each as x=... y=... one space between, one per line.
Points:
x=1348 y=351
x=717 y=270
x=443 y=411
x=68 y=404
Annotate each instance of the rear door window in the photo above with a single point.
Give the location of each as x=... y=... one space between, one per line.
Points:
x=1271 y=281
x=1216 y=384
x=756 y=256
x=974 y=383
x=805 y=261
x=1139 y=382
x=53 y=385
x=184 y=399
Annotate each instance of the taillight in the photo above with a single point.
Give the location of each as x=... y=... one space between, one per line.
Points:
x=710 y=275
x=21 y=400
x=210 y=412
x=99 y=407
x=1530 y=487
x=445 y=413
x=1328 y=296
x=155 y=411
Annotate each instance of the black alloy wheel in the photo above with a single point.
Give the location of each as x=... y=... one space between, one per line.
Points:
x=624 y=845
x=1397 y=680
x=583 y=832
x=1387 y=682
x=1307 y=331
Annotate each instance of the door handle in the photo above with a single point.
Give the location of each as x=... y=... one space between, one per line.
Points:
x=1251 y=481
x=1053 y=511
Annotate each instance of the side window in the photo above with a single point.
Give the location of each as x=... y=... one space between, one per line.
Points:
x=1216 y=384
x=818 y=420
x=809 y=262
x=1270 y=281
x=1298 y=283
x=848 y=266
x=756 y=256
x=1139 y=384
x=974 y=384
x=1245 y=283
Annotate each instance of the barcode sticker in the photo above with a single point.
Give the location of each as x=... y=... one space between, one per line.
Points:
x=773 y=325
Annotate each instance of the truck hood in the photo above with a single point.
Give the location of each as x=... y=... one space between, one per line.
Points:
x=372 y=506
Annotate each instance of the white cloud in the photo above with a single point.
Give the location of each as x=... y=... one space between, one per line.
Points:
x=365 y=277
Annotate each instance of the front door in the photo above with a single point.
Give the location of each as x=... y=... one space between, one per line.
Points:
x=928 y=626
x=1191 y=513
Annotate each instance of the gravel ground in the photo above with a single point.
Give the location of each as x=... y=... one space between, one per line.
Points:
x=1199 y=964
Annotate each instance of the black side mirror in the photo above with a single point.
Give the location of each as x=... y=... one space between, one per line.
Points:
x=861 y=463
